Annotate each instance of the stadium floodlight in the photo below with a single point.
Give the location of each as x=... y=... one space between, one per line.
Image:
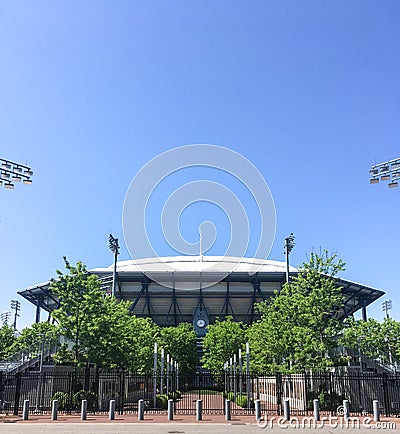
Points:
x=386 y=306
x=5 y=316
x=387 y=171
x=114 y=247
x=16 y=306
x=289 y=244
x=15 y=171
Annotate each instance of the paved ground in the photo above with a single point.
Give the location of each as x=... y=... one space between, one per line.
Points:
x=99 y=424
x=167 y=428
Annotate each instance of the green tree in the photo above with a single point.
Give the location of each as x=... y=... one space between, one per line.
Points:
x=299 y=324
x=101 y=330
x=222 y=341
x=375 y=340
x=7 y=341
x=126 y=341
x=33 y=335
x=181 y=343
x=79 y=315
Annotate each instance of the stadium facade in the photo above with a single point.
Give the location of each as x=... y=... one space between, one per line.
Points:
x=199 y=289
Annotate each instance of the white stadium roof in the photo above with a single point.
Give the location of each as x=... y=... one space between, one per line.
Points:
x=219 y=264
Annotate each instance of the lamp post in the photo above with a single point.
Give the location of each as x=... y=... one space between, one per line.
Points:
x=10 y=171
x=387 y=171
x=114 y=247
x=386 y=306
x=15 y=305
x=289 y=244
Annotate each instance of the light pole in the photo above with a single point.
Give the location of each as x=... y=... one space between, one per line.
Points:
x=40 y=377
x=386 y=306
x=289 y=244
x=5 y=316
x=15 y=305
x=10 y=171
x=114 y=247
x=387 y=171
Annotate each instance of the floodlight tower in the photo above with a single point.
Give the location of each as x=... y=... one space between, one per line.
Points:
x=5 y=316
x=114 y=247
x=387 y=171
x=289 y=244
x=16 y=306
x=386 y=306
x=10 y=171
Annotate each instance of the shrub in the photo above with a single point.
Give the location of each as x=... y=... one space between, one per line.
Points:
x=89 y=395
x=326 y=400
x=162 y=401
x=62 y=399
x=241 y=401
x=174 y=395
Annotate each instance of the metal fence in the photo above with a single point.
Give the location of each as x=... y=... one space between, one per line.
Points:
x=70 y=386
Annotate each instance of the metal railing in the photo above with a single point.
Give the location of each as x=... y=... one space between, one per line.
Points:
x=69 y=385
x=29 y=356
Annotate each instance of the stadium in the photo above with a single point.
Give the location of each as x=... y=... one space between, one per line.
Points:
x=199 y=289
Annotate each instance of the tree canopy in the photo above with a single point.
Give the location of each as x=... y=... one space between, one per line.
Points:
x=102 y=331
x=181 y=343
x=299 y=325
x=7 y=340
x=375 y=340
x=222 y=341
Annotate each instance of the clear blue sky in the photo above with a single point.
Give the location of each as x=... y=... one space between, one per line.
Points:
x=309 y=91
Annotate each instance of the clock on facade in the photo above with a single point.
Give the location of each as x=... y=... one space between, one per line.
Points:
x=200 y=323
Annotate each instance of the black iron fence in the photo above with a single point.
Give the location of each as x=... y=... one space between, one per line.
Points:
x=70 y=386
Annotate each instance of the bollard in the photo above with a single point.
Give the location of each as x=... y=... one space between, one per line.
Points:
x=286 y=410
x=346 y=409
x=228 y=415
x=257 y=404
x=84 y=409
x=316 y=410
x=54 y=410
x=170 y=409
x=141 y=409
x=375 y=406
x=111 y=412
x=199 y=409
x=25 y=411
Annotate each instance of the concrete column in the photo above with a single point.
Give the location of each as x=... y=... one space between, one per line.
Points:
x=286 y=409
x=375 y=405
x=228 y=415
x=170 y=409
x=25 y=411
x=84 y=409
x=257 y=404
x=54 y=410
x=111 y=412
x=140 y=409
x=316 y=410
x=199 y=409
x=346 y=409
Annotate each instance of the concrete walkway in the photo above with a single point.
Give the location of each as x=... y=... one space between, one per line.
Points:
x=158 y=423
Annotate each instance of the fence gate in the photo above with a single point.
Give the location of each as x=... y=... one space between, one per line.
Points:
x=206 y=386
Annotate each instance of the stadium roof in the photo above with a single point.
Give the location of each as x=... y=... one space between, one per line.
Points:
x=357 y=295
